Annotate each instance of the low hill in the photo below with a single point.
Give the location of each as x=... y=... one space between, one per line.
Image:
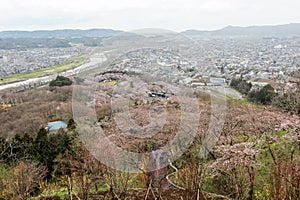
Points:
x=287 y=30
x=61 y=34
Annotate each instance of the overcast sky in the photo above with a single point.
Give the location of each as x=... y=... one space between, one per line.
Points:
x=177 y=15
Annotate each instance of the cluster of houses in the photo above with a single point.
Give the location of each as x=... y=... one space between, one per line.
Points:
x=16 y=61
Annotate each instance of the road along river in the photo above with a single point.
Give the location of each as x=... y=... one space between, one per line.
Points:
x=95 y=60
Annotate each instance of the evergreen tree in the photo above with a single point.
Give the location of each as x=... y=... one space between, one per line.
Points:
x=263 y=96
x=60 y=81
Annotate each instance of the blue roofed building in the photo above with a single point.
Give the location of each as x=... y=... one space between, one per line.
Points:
x=56 y=125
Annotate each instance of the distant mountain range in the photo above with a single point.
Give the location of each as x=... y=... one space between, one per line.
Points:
x=60 y=34
x=287 y=30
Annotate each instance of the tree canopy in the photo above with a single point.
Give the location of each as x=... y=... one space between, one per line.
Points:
x=60 y=81
x=263 y=96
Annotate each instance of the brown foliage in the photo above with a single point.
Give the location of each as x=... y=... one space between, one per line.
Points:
x=33 y=109
x=24 y=180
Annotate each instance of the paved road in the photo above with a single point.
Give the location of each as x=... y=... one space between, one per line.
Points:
x=95 y=60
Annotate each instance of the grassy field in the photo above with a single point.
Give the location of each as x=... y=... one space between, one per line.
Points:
x=69 y=64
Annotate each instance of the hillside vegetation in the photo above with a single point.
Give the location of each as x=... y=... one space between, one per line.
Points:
x=257 y=156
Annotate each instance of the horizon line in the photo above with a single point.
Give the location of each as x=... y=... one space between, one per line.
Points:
x=117 y=29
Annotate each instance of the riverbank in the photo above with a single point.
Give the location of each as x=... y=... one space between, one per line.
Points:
x=49 y=74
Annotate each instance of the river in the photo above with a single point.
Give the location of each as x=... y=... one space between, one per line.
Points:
x=95 y=60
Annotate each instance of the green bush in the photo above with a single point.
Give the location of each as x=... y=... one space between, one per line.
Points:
x=60 y=81
x=241 y=85
x=263 y=96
